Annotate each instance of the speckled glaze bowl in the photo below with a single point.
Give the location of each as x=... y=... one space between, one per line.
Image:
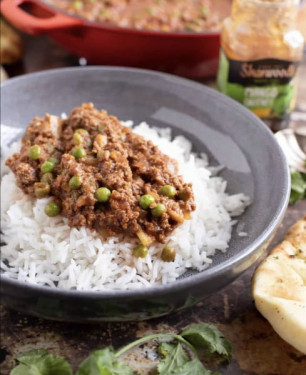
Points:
x=226 y=131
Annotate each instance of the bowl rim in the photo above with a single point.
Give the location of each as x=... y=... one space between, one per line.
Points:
x=200 y=277
x=111 y=27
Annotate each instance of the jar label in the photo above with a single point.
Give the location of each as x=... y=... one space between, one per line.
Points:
x=267 y=87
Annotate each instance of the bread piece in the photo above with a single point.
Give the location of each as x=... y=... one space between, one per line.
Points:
x=279 y=287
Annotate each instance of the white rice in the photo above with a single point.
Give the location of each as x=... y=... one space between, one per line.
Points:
x=46 y=251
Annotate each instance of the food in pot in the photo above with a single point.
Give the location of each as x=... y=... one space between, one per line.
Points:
x=161 y=15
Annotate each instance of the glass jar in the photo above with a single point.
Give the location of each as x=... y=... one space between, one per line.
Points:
x=260 y=52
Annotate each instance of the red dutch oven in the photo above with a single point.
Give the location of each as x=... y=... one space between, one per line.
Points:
x=186 y=54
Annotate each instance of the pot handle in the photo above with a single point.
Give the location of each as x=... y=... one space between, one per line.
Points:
x=31 y=24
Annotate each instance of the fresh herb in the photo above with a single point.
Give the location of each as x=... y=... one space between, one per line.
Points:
x=103 y=362
x=174 y=357
x=208 y=337
x=193 y=367
x=40 y=362
x=298 y=186
x=178 y=356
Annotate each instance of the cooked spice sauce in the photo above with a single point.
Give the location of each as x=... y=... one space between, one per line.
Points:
x=161 y=15
x=102 y=175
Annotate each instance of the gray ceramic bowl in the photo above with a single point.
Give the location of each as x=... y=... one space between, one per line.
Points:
x=227 y=132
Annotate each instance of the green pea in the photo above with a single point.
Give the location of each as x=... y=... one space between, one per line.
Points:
x=151 y=11
x=53 y=160
x=78 y=152
x=146 y=200
x=140 y=251
x=53 y=209
x=204 y=10
x=34 y=152
x=78 y=139
x=77 y=5
x=100 y=154
x=183 y=195
x=81 y=131
x=47 y=178
x=167 y=190
x=75 y=182
x=103 y=194
x=41 y=189
x=168 y=254
x=158 y=210
x=47 y=166
x=104 y=13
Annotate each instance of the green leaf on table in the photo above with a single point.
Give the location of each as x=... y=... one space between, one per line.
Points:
x=298 y=186
x=40 y=362
x=208 y=337
x=103 y=362
x=22 y=370
x=174 y=357
x=194 y=367
x=177 y=362
x=32 y=356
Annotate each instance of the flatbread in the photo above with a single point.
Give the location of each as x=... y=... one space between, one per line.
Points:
x=11 y=48
x=279 y=287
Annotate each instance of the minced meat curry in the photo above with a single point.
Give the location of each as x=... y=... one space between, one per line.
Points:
x=103 y=176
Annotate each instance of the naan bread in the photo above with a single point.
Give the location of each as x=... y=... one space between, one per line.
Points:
x=279 y=287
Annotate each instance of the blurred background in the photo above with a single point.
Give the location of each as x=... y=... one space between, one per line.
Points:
x=175 y=36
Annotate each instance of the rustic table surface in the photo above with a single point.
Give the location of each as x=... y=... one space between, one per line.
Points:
x=257 y=350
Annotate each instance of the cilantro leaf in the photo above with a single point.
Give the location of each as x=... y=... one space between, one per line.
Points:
x=298 y=186
x=32 y=356
x=207 y=336
x=194 y=367
x=22 y=370
x=174 y=358
x=103 y=362
x=177 y=362
x=40 y=362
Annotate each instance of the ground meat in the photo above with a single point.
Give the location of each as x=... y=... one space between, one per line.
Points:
x=26 y=175
x=116 y=158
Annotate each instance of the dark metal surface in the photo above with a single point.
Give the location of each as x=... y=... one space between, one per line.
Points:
x=258 y=350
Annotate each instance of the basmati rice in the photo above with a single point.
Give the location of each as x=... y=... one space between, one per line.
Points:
x=46 y=251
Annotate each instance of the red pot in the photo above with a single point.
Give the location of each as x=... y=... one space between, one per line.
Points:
x=187 y=54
